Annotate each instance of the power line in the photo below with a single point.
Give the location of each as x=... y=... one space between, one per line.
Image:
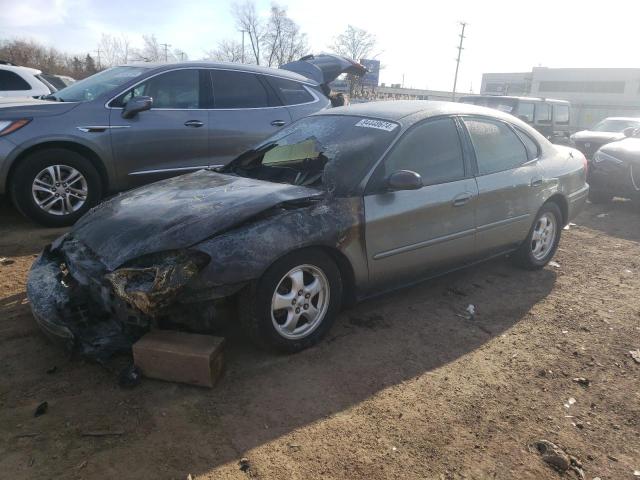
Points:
x=455 y=79
x=166 y=50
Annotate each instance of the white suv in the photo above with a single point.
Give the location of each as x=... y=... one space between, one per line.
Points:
x=23 y=82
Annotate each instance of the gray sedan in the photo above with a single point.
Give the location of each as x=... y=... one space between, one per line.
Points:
x=339 y=206
x=139 y=123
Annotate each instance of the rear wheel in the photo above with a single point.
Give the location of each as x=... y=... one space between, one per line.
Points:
x=542 y=242
x=295 y=302
x=55 y=187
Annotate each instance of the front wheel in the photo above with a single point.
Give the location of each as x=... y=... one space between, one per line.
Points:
x=55 y=186
x=543 y=239
x=295 y=302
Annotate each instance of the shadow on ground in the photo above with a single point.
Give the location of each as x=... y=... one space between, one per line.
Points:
x=169 y=430
x=618 y=218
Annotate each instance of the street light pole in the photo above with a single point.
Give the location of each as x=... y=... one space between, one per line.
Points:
x=242 y=55
x=455 y=79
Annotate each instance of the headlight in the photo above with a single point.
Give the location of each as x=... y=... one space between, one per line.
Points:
x=152 y=282
x=605 y=157
x=9 y=126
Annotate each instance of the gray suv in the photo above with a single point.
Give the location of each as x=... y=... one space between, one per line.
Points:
x=138 y=123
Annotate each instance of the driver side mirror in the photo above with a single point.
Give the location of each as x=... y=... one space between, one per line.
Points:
x=631 y=131
x=404 y=180
x=136 y=105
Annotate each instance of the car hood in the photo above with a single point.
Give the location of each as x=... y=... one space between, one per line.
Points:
x=32 y=107
x=591 y=136
x=627 y=149
x=178 y=213
x=324 y=68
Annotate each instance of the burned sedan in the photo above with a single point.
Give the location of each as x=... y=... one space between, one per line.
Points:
x=336 y=207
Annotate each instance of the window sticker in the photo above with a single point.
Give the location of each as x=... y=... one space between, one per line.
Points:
x=377 y=124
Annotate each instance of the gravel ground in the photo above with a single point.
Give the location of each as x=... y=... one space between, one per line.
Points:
x=402 y=387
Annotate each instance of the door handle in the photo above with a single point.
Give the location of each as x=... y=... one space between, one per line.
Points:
x=278 y=123
x=462 y=199
x=193 y=123
x=536 y=182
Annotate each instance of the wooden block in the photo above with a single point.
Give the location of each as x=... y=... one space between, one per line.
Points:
x=180 y=357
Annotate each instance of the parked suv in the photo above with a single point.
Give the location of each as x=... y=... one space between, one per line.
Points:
x=18 y=81
x=550 y=117
x=137 y=123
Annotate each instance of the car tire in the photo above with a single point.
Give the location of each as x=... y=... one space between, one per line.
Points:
x=306 y=282
x=39 y=191
x=542 y=240
x=597 y=197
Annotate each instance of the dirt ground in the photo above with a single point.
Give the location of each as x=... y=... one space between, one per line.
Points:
x=402 y=387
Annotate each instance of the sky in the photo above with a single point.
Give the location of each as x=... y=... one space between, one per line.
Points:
x=416 y=39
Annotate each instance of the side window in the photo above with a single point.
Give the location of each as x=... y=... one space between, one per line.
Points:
x=543 y=113
x=497 y=147
x=178 y=89
x=292 y=93
x=431 y=149
x=12 y=81
x=525 y=111
x=561 y=114
x=533 y=151
x=238 y=90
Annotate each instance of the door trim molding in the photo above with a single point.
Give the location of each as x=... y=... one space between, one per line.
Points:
x=500 y=223
x=426 y=243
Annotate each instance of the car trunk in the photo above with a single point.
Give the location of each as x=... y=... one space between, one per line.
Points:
x=324 y=68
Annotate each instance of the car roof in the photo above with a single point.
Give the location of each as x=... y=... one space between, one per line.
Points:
x=512 y=97
x=408 y=112
x=240 y=67
x=634 y=119
x=16 y=68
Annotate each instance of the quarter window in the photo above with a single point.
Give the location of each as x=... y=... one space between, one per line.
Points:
x=12 y=81
x=292 y=93
x=529 y=144
x=497 y=147
x=431 y=149
x=238 y=90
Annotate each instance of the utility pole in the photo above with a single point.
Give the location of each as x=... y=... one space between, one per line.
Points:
x=166 y=51
x=455 y=79
x=98 y=51
x=243 y=32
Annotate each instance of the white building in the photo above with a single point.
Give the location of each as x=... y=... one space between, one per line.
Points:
x=594 y=93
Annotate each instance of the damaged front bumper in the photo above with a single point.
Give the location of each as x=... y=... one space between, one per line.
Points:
x=69 y=314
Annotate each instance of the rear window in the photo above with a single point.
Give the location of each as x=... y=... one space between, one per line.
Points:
x=333 y=152
x=291 y=93
x=12 y=81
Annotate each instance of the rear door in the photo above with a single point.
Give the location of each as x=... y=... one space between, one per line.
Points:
x=169 y=139
x=509 y=182
x=409 y=233
x=245 y=111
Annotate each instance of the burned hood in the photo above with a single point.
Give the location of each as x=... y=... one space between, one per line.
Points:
x=178 y=213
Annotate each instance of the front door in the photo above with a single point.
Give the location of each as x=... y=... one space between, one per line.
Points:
x=510 y=183
x=410 y=233
x=245 y=112
x=169 y=139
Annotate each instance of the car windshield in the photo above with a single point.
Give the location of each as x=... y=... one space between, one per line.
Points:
x=615 y=125
x=95 y=85
x=333 y=152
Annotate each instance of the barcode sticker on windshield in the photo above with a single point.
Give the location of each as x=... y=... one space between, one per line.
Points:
x=379 y=124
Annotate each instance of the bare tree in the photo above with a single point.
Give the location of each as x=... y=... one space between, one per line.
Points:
x=357 y=44
x=151 y=50
x=247 y=19
x=227 y=51
x=113 y=50
x=282 y=40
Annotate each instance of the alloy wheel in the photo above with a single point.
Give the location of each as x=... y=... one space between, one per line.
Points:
x=544 y=235
x=59 y=190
